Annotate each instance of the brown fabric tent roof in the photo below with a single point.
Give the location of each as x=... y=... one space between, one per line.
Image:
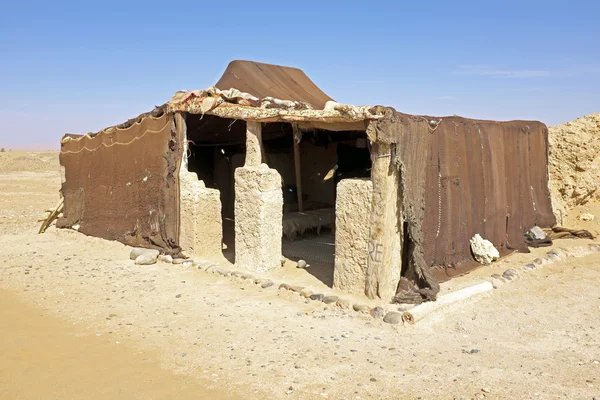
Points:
x=268 y=80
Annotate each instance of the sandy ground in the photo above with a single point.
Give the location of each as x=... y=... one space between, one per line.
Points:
x=536 y=337
x=44 y=358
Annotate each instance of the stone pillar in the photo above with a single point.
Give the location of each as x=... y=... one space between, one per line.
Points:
x=385 y=236
x=201 y=231
x=200 y=221
x=352 y=220
x=254 y=146
x=258 y=208
x=258 y=218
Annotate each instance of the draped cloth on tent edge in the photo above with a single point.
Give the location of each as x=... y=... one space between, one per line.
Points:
x=460 y=177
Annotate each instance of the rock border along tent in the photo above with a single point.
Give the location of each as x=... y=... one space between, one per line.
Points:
x=174 y=179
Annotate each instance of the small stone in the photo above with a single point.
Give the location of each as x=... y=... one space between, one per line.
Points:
x=361 y=308
x=306 y=293
x=221 y=271
x=555 y=254
x=587 y=217
x=188 y=263
x=267 y=284
x=138 y=251
x=284 y=286
x=145 y=259
x=237 y=273
x=203 y=264
x=165 y=258
x=247 y=276
x=343 y=303
x=178 y=260
x=530 y=266
x=496 y=283
x=405 y=307
x=317 y=297
x=535 y=233
x=538 y=261
x=510 y=274
x=330 y=299
x=377 y=312
x=393 y=318
x=373 y=380
x=302 y=264
x=178 y=295
x=296 y=289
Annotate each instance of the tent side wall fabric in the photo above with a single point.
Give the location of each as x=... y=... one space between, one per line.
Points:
x=122 y=184
x=461 y=177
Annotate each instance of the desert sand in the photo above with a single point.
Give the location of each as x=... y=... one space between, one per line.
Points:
x=113 y=329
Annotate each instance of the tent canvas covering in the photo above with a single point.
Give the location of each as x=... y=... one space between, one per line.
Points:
x=458 y=176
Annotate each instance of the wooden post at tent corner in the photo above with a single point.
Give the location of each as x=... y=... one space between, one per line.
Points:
x=181 y=131
x=297 y=165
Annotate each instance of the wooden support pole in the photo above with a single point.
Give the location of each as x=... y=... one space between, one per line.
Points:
x=382 y=262
x=254 y=146
x=181 y=132
x=297 y=167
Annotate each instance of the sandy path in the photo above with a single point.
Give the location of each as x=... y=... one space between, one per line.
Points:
x=41 y=357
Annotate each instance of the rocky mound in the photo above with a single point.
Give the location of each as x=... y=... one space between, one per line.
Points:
x=574 y=164
x=28 y=161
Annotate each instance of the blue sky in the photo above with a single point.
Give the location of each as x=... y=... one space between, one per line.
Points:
x=76 y=67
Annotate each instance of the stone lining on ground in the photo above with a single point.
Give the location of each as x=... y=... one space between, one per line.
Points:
x=377 y=312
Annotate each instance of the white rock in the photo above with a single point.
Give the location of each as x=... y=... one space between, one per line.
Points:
x=165 y=258
x=483 y=250
x=145 y=259
x=138 y=251
x=496 y=283
x=587 y=217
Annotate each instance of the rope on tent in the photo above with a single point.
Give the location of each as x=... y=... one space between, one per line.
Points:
x=113 y=144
